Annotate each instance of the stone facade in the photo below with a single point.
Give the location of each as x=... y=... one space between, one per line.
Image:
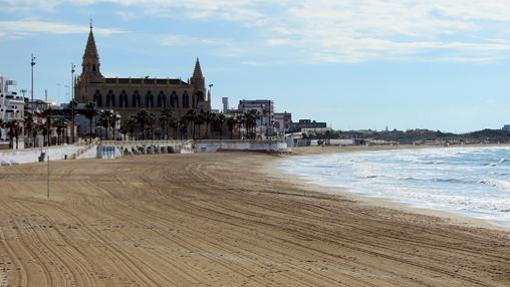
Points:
x=127 y=96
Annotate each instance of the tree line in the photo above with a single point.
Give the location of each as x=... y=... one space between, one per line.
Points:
x=195 y=124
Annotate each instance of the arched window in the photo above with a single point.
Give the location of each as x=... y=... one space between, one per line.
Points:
x=161 y=100
x=110 y=99
x=135 y=101
x=98 y=99
x=123 y=99
x=185 y=100
x=174 y=100
x=149 y=100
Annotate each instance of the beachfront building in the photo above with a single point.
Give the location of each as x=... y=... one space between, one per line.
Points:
x=128 y=96
x=282 y=123
x=11 y=114
x=265 y=111
x=310 y=127
x=224 y=102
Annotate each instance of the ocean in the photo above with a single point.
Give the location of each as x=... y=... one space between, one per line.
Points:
x=472 y=181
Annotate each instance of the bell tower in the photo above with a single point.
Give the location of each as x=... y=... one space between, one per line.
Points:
x=198 y=80
x=91 y=66
x=198 y=83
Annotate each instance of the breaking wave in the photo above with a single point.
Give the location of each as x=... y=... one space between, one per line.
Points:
x=472 y=181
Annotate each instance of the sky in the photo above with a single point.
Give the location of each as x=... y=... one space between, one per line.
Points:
x=360 y=64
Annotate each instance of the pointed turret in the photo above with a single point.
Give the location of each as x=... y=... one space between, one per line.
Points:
x=197 y=73
x=198 y=80
x=91 y=50
x=91 y=64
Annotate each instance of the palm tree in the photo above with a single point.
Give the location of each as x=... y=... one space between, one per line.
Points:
x=173 y=123
x=231 y=123
x=250 y=122
x=60 y=125
x=199 y=121
x=164 y=120
x=115 y=119
x=2 y=126
x=90 y=112
x=217 y=121
x=28 y=119
x=220 y=120
x=151 y=121
x=38 y=128
x=14 y=130
x=208 y=118
x=144 y=120
x=240 y=119
x=130 y=126
x=48 y=114
x=10 y=132
x=106 y=119
x=191 y=118
x=182 y=125
x=72 y=111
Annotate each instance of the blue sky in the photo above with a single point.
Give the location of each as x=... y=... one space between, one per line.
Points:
x=438 y=64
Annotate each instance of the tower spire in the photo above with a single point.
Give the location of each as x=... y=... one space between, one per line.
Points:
x=91 y=64
x=198 y=80
x=90 y=49
x=197 y=73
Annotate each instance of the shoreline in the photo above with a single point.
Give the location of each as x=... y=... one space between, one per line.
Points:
x=218 y=219
x=451 y=217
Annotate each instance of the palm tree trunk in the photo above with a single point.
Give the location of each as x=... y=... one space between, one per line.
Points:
x=90 y=128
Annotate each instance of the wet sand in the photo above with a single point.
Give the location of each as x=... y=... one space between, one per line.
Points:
x=222 y=220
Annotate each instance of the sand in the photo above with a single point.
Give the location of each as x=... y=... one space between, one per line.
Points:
x=222 y=220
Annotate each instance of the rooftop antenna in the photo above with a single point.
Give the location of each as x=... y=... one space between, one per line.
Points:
x=46 y=95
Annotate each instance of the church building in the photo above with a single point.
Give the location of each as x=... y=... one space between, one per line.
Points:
x=128 y=96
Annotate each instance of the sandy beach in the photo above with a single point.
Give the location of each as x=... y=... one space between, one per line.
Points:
x=223 y=219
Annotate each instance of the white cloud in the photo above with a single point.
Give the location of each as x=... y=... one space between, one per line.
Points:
x=27 y=27
x=334 y=30
x=185 y=40
x=126 y=15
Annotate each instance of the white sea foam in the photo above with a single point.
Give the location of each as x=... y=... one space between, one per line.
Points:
x=472 y=181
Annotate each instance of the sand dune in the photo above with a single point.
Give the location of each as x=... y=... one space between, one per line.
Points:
x=217 y=220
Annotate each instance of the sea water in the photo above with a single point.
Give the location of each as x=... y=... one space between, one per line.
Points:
x=473 y=181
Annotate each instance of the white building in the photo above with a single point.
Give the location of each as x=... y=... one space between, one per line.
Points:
x=282 y=123
x=11 y=109
x=224 y=101
x=265 y=110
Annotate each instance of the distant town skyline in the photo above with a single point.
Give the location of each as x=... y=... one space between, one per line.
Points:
x=354 y=64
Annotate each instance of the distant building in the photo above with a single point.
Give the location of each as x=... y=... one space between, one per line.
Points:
x=12 y=109
x=308 y=124
x=224 y=101
x=310 y=127
x=130 y=95
x=282 y=122
x=506 y=128
x=41 y=105
x=265 y=109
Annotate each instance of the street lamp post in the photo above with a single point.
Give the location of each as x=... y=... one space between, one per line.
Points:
x=72 y=101
x=32 y=63
x=210 y=91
